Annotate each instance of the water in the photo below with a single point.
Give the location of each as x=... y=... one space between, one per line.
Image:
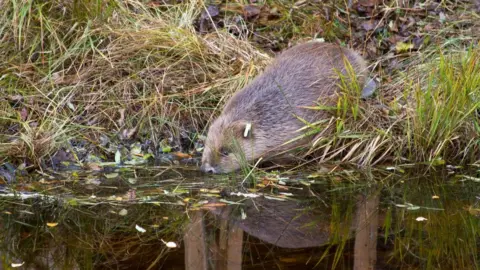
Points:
x=178 y=218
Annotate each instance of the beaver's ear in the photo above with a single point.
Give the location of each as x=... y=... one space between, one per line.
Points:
x=243 y=129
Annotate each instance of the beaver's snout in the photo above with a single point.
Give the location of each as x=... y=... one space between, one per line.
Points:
x=208 y=168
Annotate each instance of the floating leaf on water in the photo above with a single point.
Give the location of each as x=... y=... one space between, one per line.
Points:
x=182 y=155
x=15 y=265
x=111 y=175
x=52 y=224
x=435 y=197
x=123 y=212
x=420 y=219
x=140 y=229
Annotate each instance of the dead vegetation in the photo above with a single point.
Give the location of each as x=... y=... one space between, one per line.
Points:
x=92 y=77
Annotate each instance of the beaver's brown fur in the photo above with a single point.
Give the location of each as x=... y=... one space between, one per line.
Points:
x=271 y=104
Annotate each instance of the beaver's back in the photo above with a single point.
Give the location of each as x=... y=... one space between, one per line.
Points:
x=298 y=77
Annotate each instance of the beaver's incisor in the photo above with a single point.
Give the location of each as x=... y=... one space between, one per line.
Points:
x=260 y=118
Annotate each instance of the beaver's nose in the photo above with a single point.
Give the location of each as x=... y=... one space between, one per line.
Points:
x=207 y=168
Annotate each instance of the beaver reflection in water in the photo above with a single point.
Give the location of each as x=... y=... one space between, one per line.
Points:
x=259 y=119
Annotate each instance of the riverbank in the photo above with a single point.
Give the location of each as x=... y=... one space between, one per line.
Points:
x=90 y=83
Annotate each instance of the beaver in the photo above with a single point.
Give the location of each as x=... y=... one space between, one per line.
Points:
x=259 y=120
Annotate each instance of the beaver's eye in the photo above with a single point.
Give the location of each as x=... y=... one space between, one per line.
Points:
x=224 y=151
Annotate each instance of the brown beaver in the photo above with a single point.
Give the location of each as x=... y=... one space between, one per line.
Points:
x=259 y=119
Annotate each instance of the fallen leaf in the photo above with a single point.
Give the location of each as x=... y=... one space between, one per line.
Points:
x=140 y=229
x=182 y=155
x=403 y=47
x=111 y=175
x=123 y=212
x=169 y=244
x=52 y=224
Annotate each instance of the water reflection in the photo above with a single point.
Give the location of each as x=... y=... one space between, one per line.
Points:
x=164 y=218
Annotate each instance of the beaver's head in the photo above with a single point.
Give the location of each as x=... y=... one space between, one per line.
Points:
x=231 y=143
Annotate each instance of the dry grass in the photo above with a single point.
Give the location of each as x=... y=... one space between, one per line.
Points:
x=131 y=70
x=73 y=71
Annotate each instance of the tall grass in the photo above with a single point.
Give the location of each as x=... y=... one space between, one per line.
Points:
x=107 y=67
x=443 y=121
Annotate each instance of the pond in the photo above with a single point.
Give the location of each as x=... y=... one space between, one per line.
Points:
x=178 y=218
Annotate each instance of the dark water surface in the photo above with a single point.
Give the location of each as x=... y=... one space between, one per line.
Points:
x=178 y=218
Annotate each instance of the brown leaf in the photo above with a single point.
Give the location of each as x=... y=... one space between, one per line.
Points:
x=181 y=155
